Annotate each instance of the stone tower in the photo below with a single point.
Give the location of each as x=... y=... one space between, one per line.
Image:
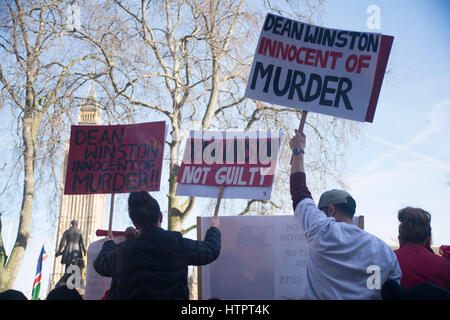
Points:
x=89 y=210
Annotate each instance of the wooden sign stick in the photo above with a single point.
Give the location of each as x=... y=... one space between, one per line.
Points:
x=219 y=198
x=302 y=121
x=111 y=210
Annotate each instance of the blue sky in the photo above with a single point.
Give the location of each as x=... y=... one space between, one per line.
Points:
x=403 y=158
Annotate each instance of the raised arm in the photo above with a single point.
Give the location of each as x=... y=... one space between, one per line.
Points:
x=310 y=217
x=199 y=253
x=298 y=142
x=298 y=188
x=103 y=262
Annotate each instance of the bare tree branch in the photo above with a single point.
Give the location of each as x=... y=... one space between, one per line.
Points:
x=187 y=230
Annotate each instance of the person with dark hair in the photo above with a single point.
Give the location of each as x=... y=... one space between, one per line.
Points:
x=344 y=261
x=391 y=290
x=12 y=295
x=417 y=260
x=154 y=264
x=64 y=293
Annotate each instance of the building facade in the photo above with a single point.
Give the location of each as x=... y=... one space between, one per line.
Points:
x=88 y=210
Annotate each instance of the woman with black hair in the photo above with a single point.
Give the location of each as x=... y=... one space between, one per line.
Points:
x=154 y=265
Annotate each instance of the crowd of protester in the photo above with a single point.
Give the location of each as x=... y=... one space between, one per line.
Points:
x=153 y=263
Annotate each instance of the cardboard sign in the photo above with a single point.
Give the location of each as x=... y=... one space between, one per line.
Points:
x=115 y=159
x=234 y=160
x=261 y=257
x=97 y=285
x=311 y=68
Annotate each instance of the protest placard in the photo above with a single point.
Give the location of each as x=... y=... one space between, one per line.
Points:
x=97 y=285
x=317 y=69
x=243 y=163
x=115 y=159
x=261 y=257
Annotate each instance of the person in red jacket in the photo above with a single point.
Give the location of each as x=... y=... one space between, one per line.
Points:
x=417 y=260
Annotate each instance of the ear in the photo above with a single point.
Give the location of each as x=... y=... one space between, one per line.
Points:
x=331 y=210
x=160 y=217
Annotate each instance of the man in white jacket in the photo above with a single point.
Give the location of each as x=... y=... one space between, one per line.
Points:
x=344 y=261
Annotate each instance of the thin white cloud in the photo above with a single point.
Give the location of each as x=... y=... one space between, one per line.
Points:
x=405 y=176
x=434 y=126
x=437 y=163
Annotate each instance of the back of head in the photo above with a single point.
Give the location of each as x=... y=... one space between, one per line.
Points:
x=143 y=209
x=427 y=291
x=341 y=200
x=414 y=225
x=12 y=295
x=391 y=290
x=64 y=293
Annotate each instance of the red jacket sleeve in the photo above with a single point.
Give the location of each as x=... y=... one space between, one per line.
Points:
x=299 y=190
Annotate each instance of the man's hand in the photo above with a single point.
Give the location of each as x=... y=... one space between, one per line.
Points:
x=298 y=140
x=215 y=222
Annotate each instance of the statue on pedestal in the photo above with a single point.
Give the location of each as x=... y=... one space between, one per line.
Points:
x=72 y=249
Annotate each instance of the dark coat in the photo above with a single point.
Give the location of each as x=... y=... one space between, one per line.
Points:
x=154 y=265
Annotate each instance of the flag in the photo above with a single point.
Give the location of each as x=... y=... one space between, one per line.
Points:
x=37 y=279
